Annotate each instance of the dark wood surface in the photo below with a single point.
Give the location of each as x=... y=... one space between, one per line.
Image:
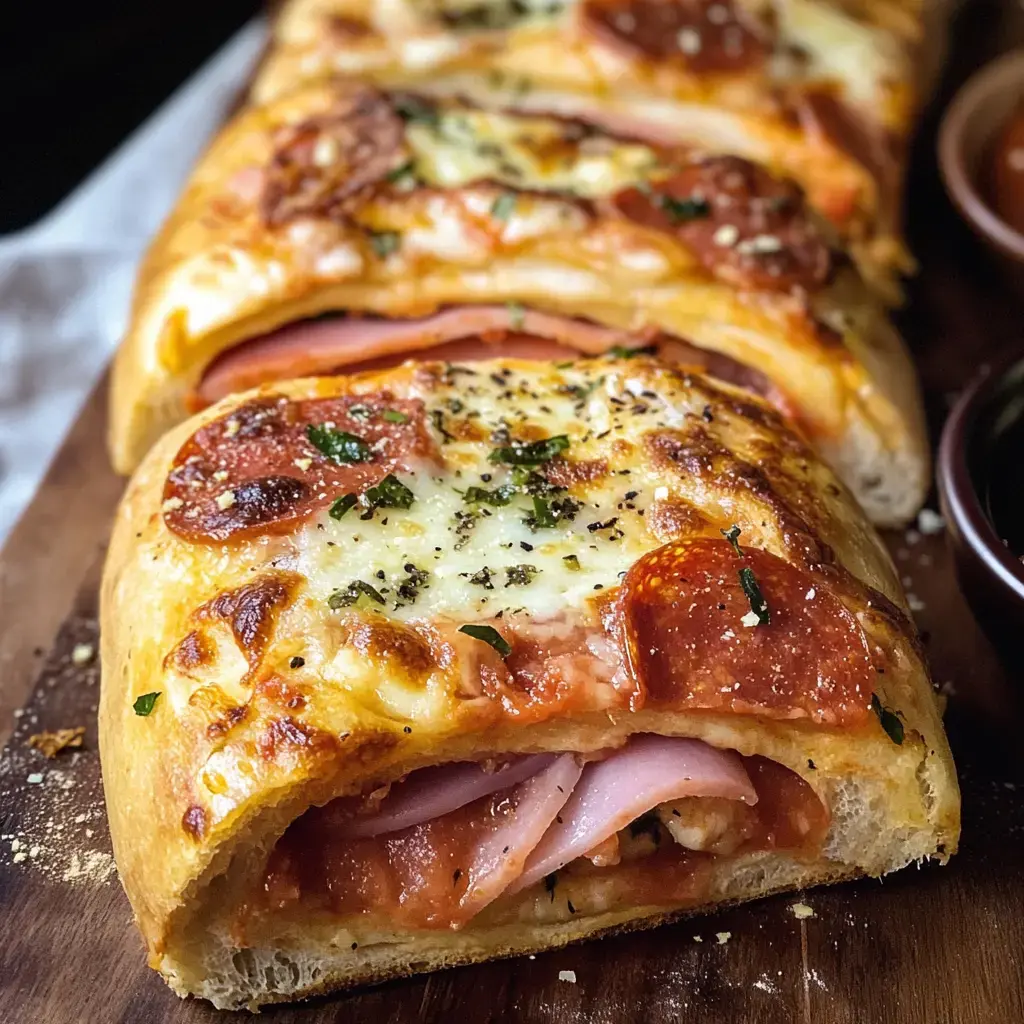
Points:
x=929 y=946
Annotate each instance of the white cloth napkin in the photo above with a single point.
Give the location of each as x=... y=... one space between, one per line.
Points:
x=65 y=284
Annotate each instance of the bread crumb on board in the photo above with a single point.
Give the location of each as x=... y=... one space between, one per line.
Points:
x=50 y=744
x=54 y=824
x=929 y=522
x=801 y=911
x=569 y=976
x=723 y=937
x=82 y=654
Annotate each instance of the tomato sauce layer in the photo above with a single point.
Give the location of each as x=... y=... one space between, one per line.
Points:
x=419 y=877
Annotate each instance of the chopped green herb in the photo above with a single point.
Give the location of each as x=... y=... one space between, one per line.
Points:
x=488 y=14
x=758 y=605
x=625 y=352
x=890 y=720
x=732 y=535
x=520 y=575
x=389 y=493
x=489 y=635
x=384 y=243
x=394 y=416
x=534 y=483
x=342 y=505
x=498 y=497
x=572 y=563
x=502 y=207
x=581 y=392
x=351 y=594
x=438 y=420
x=404 y=175
x=337 y=445
x=144 y=704
x=414 y=109
x=533 y=453
x=542 y=518
x=516 y=315
x=681 y=210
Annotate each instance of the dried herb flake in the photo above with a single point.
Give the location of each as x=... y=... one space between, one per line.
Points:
x=890 y=720
x=490 y=636
x=350 y=595
x=144 y=704
x=732 y=535
x=758 y=605
x=532 y=453
x=338 y=445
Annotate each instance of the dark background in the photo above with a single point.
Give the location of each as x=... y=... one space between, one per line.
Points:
x=75 y=79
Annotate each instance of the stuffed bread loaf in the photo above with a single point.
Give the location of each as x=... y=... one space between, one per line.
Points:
x=462 y=660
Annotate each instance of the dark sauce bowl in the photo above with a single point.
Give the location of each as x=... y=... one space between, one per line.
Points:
x=981 y=488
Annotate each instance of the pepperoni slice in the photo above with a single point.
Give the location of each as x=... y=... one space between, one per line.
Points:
x=692 y=642
x=825 y=117
x=320 y=164
x=746 y=226
x=256 y=470
x=709 y=36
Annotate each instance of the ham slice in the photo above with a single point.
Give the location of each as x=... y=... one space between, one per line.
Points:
x=353 y=343
x=500 y=855
x=431 y=793
x=611 y=793
x=461 y=334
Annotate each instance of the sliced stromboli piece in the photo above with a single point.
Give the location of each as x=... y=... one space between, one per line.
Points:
x=822 y=90
x=430 y=224
x=456 y=661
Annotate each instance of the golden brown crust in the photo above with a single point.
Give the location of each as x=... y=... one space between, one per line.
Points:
x=240 y=742
x=264 y=236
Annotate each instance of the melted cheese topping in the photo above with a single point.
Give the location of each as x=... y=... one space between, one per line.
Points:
x=470 y=15
x=462 y=146
x=483 y=559
x=837 y=47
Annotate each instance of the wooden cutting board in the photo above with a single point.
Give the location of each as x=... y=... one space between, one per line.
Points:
x=929 y=946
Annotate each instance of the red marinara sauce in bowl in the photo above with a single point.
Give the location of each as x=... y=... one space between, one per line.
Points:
x=981 y=158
